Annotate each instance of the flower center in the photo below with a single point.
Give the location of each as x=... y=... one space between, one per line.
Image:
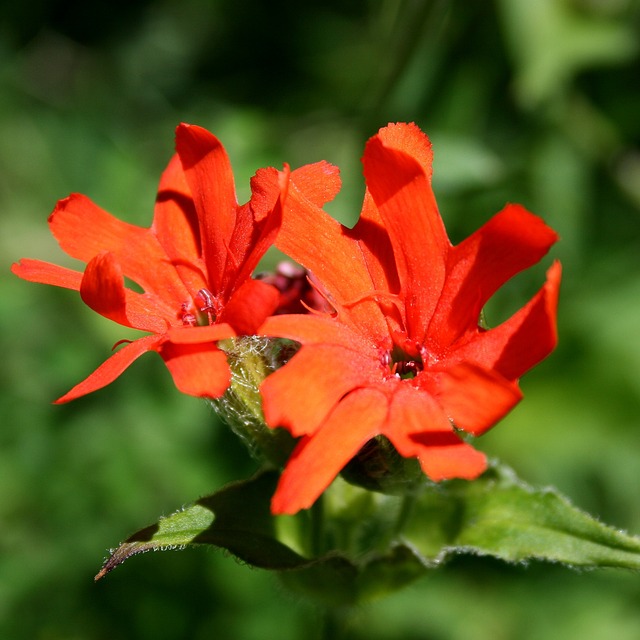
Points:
x=206 y=307
x=401 y=364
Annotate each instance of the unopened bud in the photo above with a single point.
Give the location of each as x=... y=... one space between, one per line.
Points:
x=251 y=359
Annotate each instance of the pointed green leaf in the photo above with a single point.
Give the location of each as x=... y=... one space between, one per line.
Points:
x=236 y=518
x=499 y=515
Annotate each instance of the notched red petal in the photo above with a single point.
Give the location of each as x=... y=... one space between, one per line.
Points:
x=522 y=341
x=318 y=459
x=508 y=243
x=475 y=398
x=401 y=190
x=445 y=456
x=319 y=182
x=409 y=139
x=300 y=395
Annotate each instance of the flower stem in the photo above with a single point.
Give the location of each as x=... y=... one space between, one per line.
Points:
x=332 y=625
x=317 y=542
x=406 y=507
x=332 y=622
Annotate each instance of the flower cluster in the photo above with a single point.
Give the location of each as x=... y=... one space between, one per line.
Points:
x=386 y=315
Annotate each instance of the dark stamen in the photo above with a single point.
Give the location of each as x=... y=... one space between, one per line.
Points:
x=188 y=318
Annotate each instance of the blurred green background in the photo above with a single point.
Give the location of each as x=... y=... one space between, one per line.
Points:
x=532 y=102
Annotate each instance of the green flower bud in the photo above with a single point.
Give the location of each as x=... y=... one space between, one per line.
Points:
x=251 y=359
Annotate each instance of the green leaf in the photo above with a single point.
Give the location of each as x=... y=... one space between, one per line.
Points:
x=388 y=544
x=236 y=518
x=500 y=516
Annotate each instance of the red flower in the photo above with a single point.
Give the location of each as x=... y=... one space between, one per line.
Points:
x=193 y=264
x=403 y=355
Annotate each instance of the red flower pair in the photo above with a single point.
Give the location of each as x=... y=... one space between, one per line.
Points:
x=399 y=354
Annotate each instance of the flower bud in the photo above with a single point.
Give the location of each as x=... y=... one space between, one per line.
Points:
x=251 y=359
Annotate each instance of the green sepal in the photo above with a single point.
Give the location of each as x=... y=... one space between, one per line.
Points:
x=251 y=359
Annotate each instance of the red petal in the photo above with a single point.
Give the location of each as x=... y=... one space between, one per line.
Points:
x=175 y=224
x=320 y=182
x=109 y=370
x=103 y=290
x=511 y=241
x=445 y=456
x=528 y=337
x=84 y=230
x=410 y=139
x=199 y=335
x=47 y=273
x=375 y=244
x=413 y=410
x=257 y=224
x=309 y=329
x=417 y=427
x=249 y=306
x=318 y=459
x=197 y=370
x=474 y=398
x=210 y=179
x=397 y=171
x=300 y=395
x=318 y=242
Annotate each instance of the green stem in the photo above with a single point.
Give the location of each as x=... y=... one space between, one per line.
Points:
x=406 y=508
x=317 y=541
x=332 y=625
